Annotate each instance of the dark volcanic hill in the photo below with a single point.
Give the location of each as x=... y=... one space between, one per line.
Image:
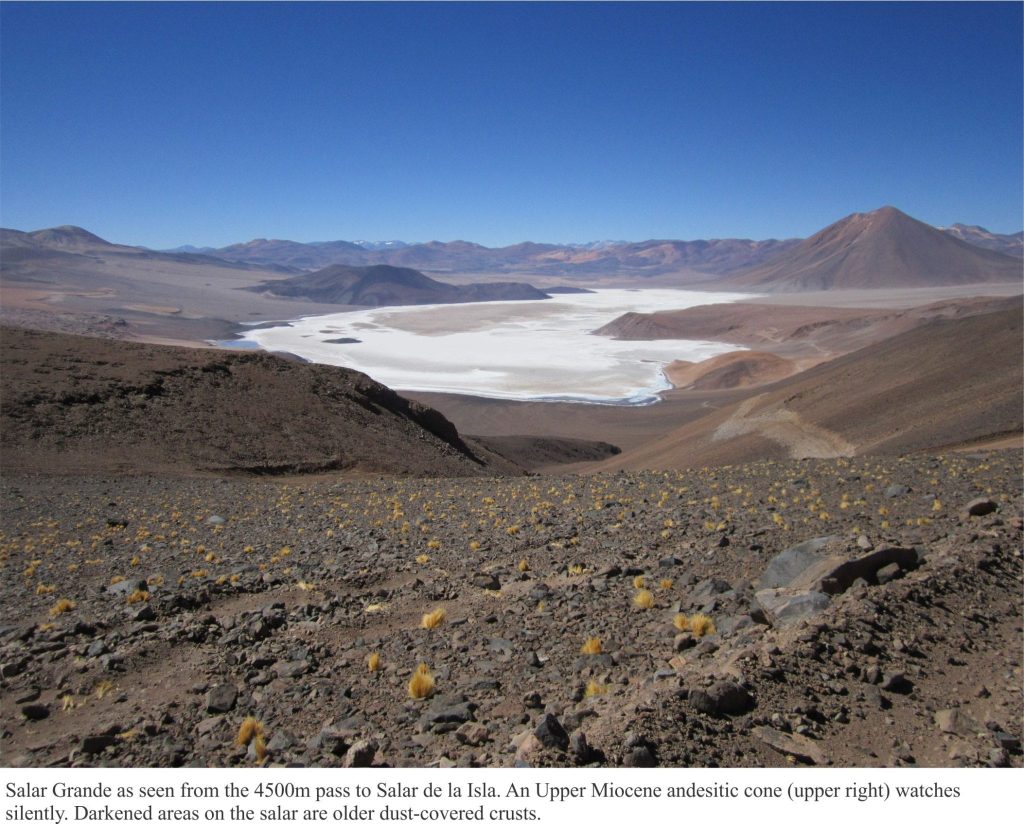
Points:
x=879 y=249
x=74 y=404
x=389 y=286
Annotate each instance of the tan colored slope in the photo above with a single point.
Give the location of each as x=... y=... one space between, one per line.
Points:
x=792 y=331
x=946 y=383
x=879 y=249
x=730 y=371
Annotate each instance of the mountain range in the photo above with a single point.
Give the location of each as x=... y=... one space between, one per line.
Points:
x=698 y=258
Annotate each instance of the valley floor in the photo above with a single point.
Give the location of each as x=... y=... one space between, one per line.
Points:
x=143 y=619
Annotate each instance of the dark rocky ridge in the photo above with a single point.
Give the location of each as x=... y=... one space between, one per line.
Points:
x=78 y=404
x=389 y=286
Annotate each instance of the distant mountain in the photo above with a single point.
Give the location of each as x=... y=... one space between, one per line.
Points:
x=389 y=286
x=978 y=236
x=871 y=250
x=700 y=259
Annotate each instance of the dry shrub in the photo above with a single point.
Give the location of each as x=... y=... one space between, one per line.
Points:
x=250 y=729
x=421 y=685
x=432 y=619
x=62 y=606
x=701 y=625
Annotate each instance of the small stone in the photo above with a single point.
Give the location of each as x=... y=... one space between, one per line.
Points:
x=640 y=757
x=221 y=698
x=472 y=733
x=94 y=744
x=360 y=754
x=799 y=746
x=722 y=698
x=896 y=490
x=897 y=682
x=890 y=572
x=551 y=733
x=215 y=520
x=485 y=581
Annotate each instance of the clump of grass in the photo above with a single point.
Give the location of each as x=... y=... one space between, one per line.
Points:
x=62 y=606
x=116 y=579
x=638 y=582
x=103 y=688
x=474 y=545
x=665 y=583
x=576 y=569
x=422 y=559
x=644 y=599
x=594 y=688
x=524 y=565
x=373 y=661
x=305 y=586
x=370 y=608
x=68 y=703
x=430 y=620
x=137 y=596
x=592 y=646
x=701 y=625
x=251 y=728
x=422 y=684
x=46 y=589
x=681 y=622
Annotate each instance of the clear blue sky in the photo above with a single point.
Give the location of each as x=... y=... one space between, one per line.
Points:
x=164 y=124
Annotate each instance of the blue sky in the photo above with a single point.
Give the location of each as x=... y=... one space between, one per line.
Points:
x=164 y=124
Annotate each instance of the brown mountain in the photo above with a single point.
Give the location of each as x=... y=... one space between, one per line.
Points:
x=389 y=286
x=943 y=384
x=879 y=249
x=76 y=404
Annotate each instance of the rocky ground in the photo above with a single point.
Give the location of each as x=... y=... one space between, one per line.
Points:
x=866 y=611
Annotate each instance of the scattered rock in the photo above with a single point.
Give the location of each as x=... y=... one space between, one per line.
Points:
x=221 y=698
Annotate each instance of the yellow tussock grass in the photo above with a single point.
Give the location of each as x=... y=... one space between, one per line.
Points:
x=701 y=625
x=638 y=582
x=432 y=619
x=644 y=599
x=592 y=646
x=421 y=685
x=373 y=661
x=62 y=606
x=594 y=689
x=250 y=729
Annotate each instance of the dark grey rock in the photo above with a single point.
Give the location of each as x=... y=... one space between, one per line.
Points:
x=360 y=754
x=896 y=490
x=94 y=744
x=221 y=698
x=640 y=757
x=784 y=607
x=788 y=564
x=551 y=733
x=722 y=698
